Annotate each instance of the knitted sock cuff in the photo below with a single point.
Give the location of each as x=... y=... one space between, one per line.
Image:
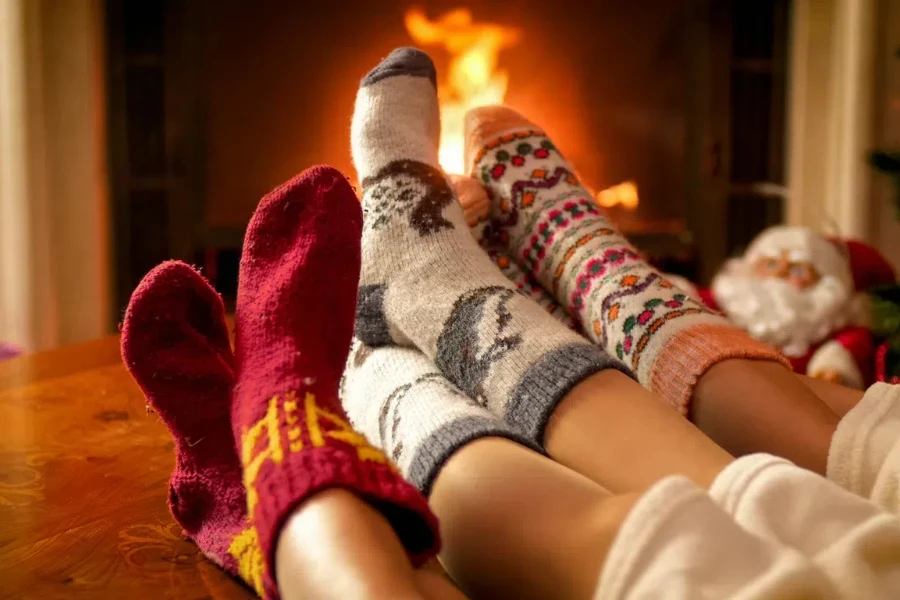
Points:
x=731 y=485
x=438 y=447
x=676 y=537
x=283 y=487
x=549 y=380
x=691 y=352
x=638 y=533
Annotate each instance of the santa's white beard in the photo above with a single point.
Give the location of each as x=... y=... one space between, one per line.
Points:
x=775 y=312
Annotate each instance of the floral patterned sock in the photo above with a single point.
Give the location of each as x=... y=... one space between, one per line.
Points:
x=552 y=228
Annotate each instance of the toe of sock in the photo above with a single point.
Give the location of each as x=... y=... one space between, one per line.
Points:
x=299 y=277
x=172 y=293
x=484 y=123
x=472 y=197
x=319 y=197
x=403 y=61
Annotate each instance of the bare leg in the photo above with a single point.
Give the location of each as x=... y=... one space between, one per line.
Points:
x=355 y=554
x=504 y=512
x=757 y=406
x=618 y=434
x=434 y=583
x=518 y=525
x=838 y=398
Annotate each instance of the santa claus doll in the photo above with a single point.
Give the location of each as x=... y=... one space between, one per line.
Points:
x=804 y=294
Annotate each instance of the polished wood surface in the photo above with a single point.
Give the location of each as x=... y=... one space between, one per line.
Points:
x=83 y=482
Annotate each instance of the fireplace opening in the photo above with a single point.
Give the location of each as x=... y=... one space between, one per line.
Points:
x=671 y=111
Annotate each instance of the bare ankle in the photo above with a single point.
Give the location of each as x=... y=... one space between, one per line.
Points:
x=749 y=406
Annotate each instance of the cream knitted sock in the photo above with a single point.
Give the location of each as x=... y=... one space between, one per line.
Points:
x=851 y=540
x=400 y=401
x=553 y=229
x=676 y=543
x=865 y=450
x=426 y=283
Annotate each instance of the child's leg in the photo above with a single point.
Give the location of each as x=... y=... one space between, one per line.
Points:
x=687 y=355
x=757 y=406
x=175 y=345
x=615 y=432
x=356 y=554
x=838 y=398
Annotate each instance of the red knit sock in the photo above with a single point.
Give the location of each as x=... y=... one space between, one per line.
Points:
x=175 y=345
x=294 y=322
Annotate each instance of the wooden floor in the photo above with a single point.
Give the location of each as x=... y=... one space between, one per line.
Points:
x=83 y=478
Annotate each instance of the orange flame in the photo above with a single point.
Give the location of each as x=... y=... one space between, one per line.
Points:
x=473 y=78
x=624 y=194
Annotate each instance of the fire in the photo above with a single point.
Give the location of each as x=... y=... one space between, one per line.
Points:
x=473 y=77
x=624 y=194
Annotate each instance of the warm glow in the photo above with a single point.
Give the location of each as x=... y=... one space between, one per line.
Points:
x=624 y=194
x=473 y=78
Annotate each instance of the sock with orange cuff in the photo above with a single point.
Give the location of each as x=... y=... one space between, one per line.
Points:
x=551 y=227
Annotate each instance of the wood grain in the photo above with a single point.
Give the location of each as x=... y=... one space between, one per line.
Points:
x=83 y=483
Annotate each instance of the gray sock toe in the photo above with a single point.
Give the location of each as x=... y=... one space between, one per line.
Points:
x=403 y=61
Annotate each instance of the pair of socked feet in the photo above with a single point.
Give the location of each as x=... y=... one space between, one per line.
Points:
x=447 y=350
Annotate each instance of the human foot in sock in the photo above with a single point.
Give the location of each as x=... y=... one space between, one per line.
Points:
x=556 y=233
x=293 y=327
x=175 y=345
x=849 y=538
x=426 y=283
x=400 y=401
x=864 y=456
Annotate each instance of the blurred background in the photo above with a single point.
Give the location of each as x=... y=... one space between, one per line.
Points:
x=134 y=131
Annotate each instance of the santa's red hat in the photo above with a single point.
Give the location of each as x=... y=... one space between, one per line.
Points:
x=869 y=269
x=869 y=266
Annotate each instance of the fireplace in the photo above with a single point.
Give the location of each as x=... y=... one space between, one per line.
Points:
x=673 y=107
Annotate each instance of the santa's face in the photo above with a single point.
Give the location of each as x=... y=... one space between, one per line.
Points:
x=800 y=273
x=782 y=300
